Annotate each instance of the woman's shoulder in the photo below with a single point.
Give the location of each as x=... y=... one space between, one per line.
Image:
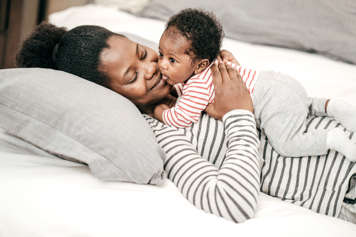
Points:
x=204 y=122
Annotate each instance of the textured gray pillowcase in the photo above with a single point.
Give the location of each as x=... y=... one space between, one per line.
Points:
x=323 y=26
x=78 y=120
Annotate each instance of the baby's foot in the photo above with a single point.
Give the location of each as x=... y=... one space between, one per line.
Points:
x=343 y=112
x=338 y=140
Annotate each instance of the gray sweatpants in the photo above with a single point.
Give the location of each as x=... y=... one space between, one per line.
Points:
x=281 y=107
x=348 y=207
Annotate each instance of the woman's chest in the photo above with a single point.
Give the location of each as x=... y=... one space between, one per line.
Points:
x=207 y=136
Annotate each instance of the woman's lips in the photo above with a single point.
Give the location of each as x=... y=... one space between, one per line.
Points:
x=158 y=82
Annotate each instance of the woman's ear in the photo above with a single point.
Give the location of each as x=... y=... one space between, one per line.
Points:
x=201 y=66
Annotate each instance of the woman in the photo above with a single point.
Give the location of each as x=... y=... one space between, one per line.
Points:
x=218 y=178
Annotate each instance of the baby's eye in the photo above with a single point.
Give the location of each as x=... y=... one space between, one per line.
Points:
x=172 y=60
x=160 y=54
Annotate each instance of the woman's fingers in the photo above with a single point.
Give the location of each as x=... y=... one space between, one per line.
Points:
x=231 y=71
x=230 y=92
x=227 y=56
x=235 y=76
x=217 y=80
x=223 y=71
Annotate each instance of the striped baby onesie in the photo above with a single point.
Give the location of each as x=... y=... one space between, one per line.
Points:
x=196 y=94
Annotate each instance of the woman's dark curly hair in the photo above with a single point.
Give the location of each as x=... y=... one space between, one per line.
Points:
x=76 y=51
x=202 y=28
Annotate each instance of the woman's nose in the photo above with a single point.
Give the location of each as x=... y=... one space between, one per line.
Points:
x=150 y=69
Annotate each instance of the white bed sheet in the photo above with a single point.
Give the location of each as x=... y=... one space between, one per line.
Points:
x=43 y=196
x=51 y=197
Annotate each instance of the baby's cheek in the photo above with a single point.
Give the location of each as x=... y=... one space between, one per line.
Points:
x=179 y=77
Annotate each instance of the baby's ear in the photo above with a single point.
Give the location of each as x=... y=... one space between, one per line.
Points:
x=201 y=66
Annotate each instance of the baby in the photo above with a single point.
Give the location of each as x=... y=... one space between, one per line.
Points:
x=188 y=47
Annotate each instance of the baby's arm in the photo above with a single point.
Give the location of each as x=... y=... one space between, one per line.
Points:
x=158 y=111
x=187 y=110
x=180 y=115
x=167 y=103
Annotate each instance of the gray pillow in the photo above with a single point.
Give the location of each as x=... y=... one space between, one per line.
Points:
x=78 y=120
x=323 y=26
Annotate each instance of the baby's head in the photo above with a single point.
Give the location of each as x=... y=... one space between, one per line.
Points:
x=190 y=42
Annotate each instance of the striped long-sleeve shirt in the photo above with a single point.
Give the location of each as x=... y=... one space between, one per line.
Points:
x=196 y=161
x=196 y=94
x=229 y=188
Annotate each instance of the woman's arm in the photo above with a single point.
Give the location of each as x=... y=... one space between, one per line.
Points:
x=230 y=191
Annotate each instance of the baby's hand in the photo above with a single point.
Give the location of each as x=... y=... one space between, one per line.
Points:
x=227 y=56
x=158 y=111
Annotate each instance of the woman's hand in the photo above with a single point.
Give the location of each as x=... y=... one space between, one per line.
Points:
x=227 y=56
x=230 y=92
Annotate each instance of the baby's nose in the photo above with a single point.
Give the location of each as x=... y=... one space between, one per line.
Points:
x=162 y=64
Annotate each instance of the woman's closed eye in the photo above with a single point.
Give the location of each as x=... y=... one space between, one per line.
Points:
x=143 y=54
x=134 y=78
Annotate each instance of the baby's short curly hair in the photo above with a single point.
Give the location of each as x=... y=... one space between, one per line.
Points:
x=202 y=28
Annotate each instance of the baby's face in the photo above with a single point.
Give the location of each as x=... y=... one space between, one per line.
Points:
x=175 y=57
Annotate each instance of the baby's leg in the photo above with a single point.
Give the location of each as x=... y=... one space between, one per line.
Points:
x=343 y=112
x=317 y=106
x=339 y=141
x=282 y=107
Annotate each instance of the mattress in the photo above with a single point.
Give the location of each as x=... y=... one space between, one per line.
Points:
x=48 y=196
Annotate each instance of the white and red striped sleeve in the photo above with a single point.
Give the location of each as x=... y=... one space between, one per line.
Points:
x=248 y=76
x=179 y=88
x=198 y=92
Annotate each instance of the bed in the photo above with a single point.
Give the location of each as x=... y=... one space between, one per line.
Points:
x=47 y=196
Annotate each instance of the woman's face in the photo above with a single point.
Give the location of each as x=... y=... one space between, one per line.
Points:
x=133 y=71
